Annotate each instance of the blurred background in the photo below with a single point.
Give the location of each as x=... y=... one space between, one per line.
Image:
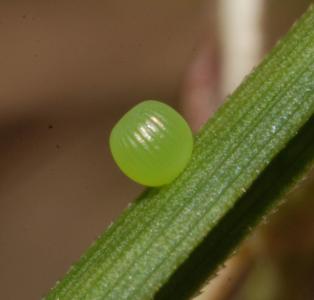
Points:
x=68 y=71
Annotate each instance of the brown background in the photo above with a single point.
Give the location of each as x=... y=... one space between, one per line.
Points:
x=68 y=70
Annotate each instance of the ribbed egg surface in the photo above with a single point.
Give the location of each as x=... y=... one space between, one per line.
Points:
x=151 y=143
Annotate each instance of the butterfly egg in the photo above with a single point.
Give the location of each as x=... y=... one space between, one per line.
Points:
x=151 y=143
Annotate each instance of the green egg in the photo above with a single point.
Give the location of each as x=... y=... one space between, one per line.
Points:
x=151 y=143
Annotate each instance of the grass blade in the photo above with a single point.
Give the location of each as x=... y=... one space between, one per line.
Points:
x=171 y=239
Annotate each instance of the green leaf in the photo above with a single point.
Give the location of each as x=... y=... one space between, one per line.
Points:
x=252 y=151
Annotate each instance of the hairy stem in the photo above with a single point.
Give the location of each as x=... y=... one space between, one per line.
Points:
x=171 y=239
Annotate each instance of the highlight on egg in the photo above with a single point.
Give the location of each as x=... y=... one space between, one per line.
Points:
x=151 y=143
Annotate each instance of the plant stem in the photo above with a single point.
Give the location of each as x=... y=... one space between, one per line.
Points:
x=171 y=239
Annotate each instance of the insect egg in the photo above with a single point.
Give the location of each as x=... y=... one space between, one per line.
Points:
x=151 y=143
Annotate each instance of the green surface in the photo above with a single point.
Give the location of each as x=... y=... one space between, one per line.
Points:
x=152 y=143
x=252 y=151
